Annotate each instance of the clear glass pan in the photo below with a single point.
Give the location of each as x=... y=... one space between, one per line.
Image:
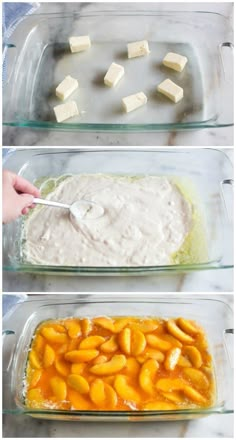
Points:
x=210 y=171
x=38 y=49
x=214 y=316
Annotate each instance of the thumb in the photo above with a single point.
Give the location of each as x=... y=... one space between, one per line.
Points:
x=25 y=200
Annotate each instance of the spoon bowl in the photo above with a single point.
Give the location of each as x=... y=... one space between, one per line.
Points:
x=81 y=210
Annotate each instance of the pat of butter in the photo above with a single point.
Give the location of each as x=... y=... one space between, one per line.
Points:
x=66 y=111
x=132 y=102
x=113 y=75
x=138 y=49
x=79 y=44
x=171 y=90
x=175 y=61
x=66 y=87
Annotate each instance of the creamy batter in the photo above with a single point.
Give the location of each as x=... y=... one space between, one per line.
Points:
x=145 y=221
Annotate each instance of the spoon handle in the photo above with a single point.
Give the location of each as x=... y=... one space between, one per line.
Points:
x=50 y=203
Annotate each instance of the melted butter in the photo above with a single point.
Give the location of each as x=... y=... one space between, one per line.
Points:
x=145 y=221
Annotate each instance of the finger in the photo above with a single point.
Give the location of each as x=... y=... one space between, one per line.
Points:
x=22 y=185
x=25 y=211
x=24 y=201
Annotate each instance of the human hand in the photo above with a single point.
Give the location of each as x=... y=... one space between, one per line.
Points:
x=18 y=195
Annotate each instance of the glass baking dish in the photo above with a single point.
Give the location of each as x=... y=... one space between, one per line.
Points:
x=208 y=170
x=38 y=49
x=215 y=316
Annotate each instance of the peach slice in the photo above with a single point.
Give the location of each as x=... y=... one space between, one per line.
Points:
x=177 y=332
x=124 y=390
x=194 y=355
x=147 y=374
x=113 y=366
x=170 y=385
x=76 y=356
x=58 y=387
x=49 y=356
x=197 y=377
x=34 y=360
x=172 y=358
x=187 y=326
x=78 y=383
x=91 y=342
x=62 y=367
x=110 y=346
x=53 y=336
x=156 y=342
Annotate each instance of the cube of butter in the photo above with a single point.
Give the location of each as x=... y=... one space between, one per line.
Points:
x=79 y=44
x=66 y=111
x=113 y=75
x=171 y=90
x=138 y=49
x=175 y=61
x=66 y=87
x=132 y=102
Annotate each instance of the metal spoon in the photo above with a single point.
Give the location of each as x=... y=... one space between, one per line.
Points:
x=80 y=210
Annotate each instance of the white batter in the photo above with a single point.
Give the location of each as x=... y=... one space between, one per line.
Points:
x=145 y=221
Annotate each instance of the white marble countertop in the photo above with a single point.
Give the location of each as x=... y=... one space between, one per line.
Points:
x=213 y=426
x=206 y=137
x=200 y=281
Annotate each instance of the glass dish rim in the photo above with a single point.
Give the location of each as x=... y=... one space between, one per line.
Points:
x=99 y=270
x=217 y=409
x=111 y=127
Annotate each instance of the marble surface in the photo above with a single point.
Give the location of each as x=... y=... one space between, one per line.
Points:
x=214 y=426
x=206 y=137
x=201 y=281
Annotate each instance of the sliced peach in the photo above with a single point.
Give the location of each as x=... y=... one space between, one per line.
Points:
x=170 y=385
x=156 y=342
x=184 y=362
x=58 y=387
x=74 y=329
x=172 y=358
x=174 y=396
x=53 y=336
x=34 y=360
x=78 y=401
x=39 y=344
x=138 y=342
x=62 y=367
x=187 y=326
x=193 y=394
x=194 y=355
x=125 y=340
x=35 y=378
x=76 y=356
x=97 y=392
x=177 y=332
x=113 y=366
x=86 y=326
x=124 y=390
x=34 y=398
x=132 y=367
x=152 y=353
x=173 y=341
x=197 y=377
x=147 y=374
x=120 y=323
x=91 y=342
x=145 y=326
x=49 y=356
x=101 y=359
x=104 y=322
x=78 y=383
x=110 y=346
x=78 y=368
